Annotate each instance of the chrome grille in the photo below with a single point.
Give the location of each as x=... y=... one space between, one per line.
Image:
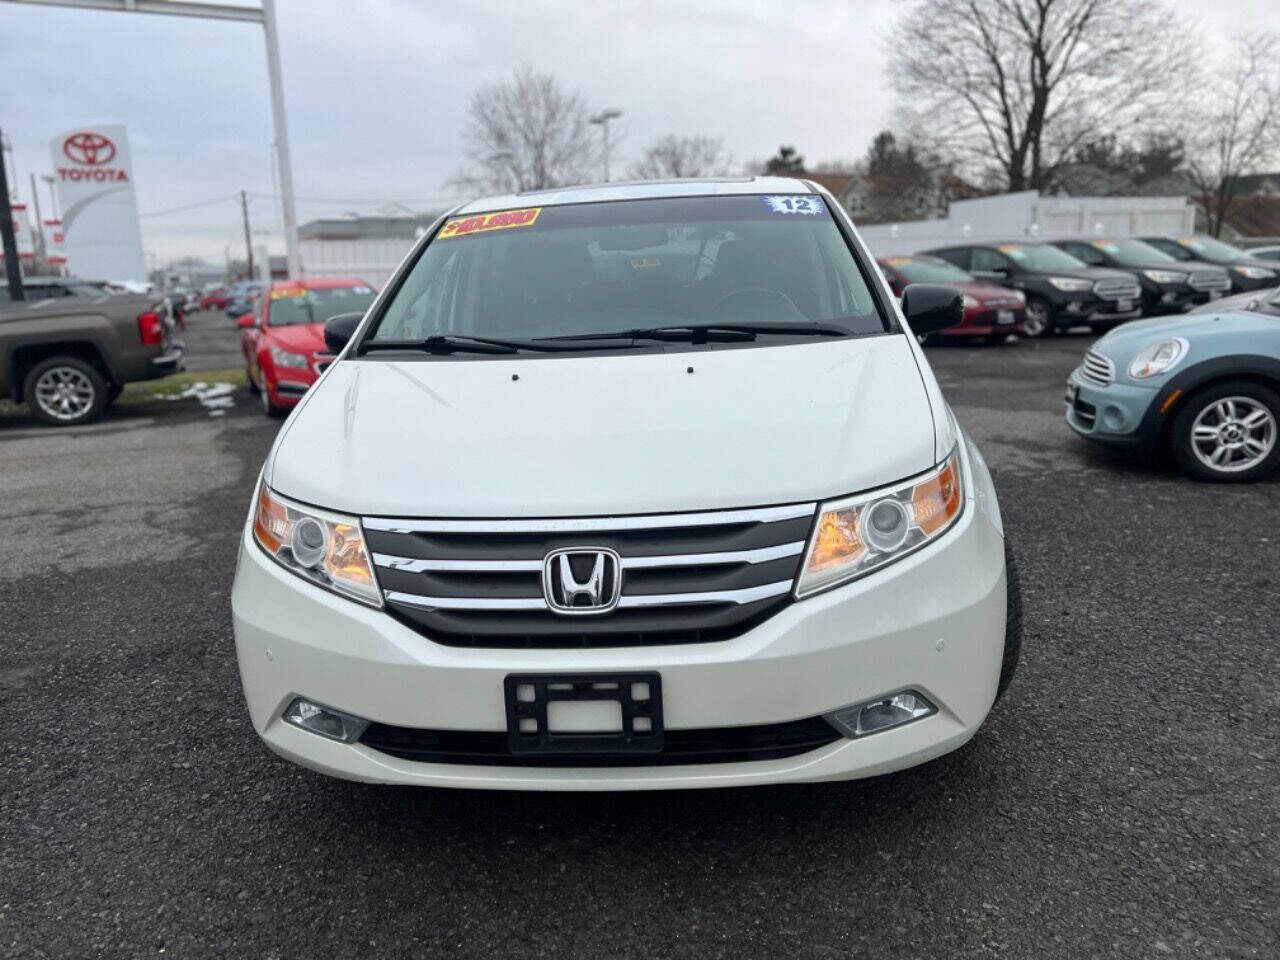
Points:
x=1209 y=280
x=1117 y=288
x=685 y=578
x=1098 y=368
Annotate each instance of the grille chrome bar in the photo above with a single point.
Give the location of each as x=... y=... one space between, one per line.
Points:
x=745 y=595
x=761 y=555
x=1117 y=289
x=1098 y=368
x=1209 y=281
x=586 y=524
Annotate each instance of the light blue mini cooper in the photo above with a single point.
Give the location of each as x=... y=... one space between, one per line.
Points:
x=1206 y=385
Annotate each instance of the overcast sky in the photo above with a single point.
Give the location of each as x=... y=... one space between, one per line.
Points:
x=377 y=90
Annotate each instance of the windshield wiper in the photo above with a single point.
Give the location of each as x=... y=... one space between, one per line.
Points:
x=707 y=332
x=457 y=342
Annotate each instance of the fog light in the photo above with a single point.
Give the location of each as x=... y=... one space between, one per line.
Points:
x=1075 y=306
x=883 y=713
x=324 y=721
x=1169 y=297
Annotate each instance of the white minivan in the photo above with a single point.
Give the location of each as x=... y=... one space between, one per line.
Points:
x=629 y=486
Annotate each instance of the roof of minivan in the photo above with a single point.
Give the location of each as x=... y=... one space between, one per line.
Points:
x=640 y=190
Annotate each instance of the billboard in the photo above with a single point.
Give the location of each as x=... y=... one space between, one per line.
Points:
x=94 y=177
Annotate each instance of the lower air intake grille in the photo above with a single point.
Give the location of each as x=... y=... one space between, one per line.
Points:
x=681 y=578
x=774 y=741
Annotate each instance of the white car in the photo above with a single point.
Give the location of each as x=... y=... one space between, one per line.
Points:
x=627 y=487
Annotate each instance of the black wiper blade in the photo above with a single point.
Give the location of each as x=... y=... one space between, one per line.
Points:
x=706 y=332
x=449 y=343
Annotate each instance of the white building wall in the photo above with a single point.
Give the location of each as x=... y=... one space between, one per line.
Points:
x=372 y=261
x=1013 y=216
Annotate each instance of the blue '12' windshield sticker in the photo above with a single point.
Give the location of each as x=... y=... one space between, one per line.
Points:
x=810 y=206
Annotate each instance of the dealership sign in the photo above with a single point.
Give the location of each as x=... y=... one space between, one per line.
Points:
x=94 y=177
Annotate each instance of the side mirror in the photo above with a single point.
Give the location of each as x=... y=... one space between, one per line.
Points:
x=930 y=307
x=338 y=330
x=246 y=321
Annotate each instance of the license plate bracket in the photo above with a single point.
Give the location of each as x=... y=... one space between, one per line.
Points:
x=639 y=696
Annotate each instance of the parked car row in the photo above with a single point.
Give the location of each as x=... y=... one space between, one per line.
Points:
x=1099 y=283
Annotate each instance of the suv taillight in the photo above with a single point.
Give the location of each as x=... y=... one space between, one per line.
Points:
x=150 y=328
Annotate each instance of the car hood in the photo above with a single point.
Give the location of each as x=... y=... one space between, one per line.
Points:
x=612 y=434
x=1239 y=301
x=986 y=291
x=1202 y=332
x=297 y=337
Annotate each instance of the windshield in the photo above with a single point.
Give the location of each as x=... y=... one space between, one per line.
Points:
x=1132 y=252
x=595 y=268
x=929 y=271
x=1213 y=249
x=294 y=305
x=1040 y=257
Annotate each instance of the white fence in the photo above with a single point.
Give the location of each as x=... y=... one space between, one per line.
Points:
x=1027 y=215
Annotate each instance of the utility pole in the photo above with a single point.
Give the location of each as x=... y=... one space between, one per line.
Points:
x=602 y=119
x=7 y=239
x=248 y=240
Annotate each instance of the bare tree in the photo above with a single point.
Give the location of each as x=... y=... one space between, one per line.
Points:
x=900 y=180
x=674 y=156
x=526 y=133
x=1237 y=129
x=1010 y=88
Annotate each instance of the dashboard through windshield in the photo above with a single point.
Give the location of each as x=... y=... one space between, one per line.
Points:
x=622 y=267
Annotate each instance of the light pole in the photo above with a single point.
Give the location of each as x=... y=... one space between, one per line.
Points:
x=50 y=179
x=602 y=119
x=264 y=15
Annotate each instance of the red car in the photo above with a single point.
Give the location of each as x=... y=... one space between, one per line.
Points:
x=991 y=312
x=283 y=338
x=215 y=299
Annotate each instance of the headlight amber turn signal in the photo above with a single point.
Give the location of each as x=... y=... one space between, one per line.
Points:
x=864 y=532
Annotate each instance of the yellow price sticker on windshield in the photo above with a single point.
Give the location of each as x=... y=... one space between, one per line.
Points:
x=484 y=222
x=288 y=293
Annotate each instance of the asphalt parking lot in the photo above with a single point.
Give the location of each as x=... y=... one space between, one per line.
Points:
x=1123 y=800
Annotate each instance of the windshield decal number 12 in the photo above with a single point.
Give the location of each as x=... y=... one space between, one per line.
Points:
x=810 y=206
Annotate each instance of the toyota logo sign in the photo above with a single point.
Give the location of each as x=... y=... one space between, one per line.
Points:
x=91 y=149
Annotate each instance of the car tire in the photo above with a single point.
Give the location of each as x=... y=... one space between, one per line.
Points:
x=1012 y=622
x=1218 y=422
x=65 y=391
x=254 y=389
x=113 y=392
x=269 y=408
x=1038 y=321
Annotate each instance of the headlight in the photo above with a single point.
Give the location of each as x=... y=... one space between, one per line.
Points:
x=326 y=548
x=970 y=303
x=1157 y=358
x=1255 y=273
x=283 y=358
x=1019 y=296
x=863 y=533
x=1070 y=283
x=1165 y=276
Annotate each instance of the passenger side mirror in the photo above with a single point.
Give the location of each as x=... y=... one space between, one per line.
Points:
x=246 y=321
x=338 y=330
x=930 y=307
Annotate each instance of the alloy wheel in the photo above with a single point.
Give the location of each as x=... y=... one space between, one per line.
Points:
x=64 y=393
x=1036 y=321
x=1233 y=434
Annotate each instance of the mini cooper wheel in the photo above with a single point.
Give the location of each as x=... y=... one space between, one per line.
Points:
x=1038 y=321
x=1229 y=432
x=65 y=391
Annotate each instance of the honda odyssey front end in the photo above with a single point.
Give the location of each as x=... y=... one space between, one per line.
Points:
x=627 y=487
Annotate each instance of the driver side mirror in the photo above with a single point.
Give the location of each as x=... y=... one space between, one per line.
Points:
x=339 y=330
x=246 y=321
x=930 y=307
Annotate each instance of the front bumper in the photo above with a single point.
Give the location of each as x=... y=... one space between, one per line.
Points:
x=1118 y=414
x=1074 y=308
x=932 y=622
